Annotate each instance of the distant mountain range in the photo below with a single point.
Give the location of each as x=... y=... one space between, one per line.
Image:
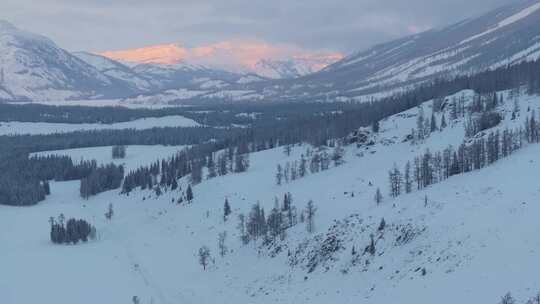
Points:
x=33 y=67
x=273 y=61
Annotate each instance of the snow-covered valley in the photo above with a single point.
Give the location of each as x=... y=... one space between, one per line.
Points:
x=470 y=238
x=21 y=128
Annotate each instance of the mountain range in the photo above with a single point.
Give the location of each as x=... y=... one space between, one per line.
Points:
x=33 y=67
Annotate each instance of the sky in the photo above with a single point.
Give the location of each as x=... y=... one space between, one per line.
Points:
x=344 y=26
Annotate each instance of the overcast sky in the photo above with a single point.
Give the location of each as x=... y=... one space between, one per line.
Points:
x=341 y=25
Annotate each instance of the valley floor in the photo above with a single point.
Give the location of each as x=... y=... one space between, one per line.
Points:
x=473 y=240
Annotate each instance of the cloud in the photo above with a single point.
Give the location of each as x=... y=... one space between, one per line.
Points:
x=343 y=25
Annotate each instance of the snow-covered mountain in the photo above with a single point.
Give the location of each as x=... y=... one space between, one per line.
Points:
x=504 y=36
x=284 y=69
x=181 y=75
x=116 y=70
x=240 y=57
x=507 y=35
x=33 y=67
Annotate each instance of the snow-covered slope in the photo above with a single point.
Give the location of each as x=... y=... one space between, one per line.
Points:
x=468 y=239
x=184 y=75
x=278 y=69
x=33 y=67
x=504 y=36
x=507 y=35
x=116 y=70
x=240 y=57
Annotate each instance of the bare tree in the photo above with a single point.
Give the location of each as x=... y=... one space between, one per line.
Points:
x=110 y=212
x=221 y=243
x=507 y=299
x=279 y=175
x=204 y=256
x=310 y=216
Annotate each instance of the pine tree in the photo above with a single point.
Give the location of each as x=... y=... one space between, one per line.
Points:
x=279 y=175
x=46 y=188
x=375 y=126
x=226 y=210
x=242 y=229
x=382 y=225
x=302 y=169
x=371 y=247
x=443 y=122
x=310 y=216
x=189 y=194
x=378 y=196
x=221 y=243
x=407 y=178
x=433 y=126
x=395 y=181
x=287 y=150
x=420 y=124
x=212 y=171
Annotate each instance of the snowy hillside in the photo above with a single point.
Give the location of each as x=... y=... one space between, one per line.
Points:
x=469 y=238
x=291 y=68
x=507 y=35
x=32 y=67
x=115 y=70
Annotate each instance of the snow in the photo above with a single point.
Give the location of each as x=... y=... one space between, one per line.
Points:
x=508 y=21
x=136 y=155
x=162 y=98
x=252 y=115
x=479 y=236
x=141 y=101
x=249 y=79
x=531 y=53
x=17 y=128
x=213 y=84
x=34 y=68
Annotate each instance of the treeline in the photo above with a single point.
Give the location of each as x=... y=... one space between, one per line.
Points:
x=481 y=115
x=79 y=114
x=102 y=179
x=118 y=151
x=509 y=299
x=211 y=114
x=190 y=162
x=71 y=232
x=256 y=225
x=433 y=167
x=24 y=181
x=311 y=161
x=100 y=138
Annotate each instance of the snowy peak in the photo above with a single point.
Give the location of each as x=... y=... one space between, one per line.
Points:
x=293 y=67
x=33 y=67
x=116 y=70
x=264 y=59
